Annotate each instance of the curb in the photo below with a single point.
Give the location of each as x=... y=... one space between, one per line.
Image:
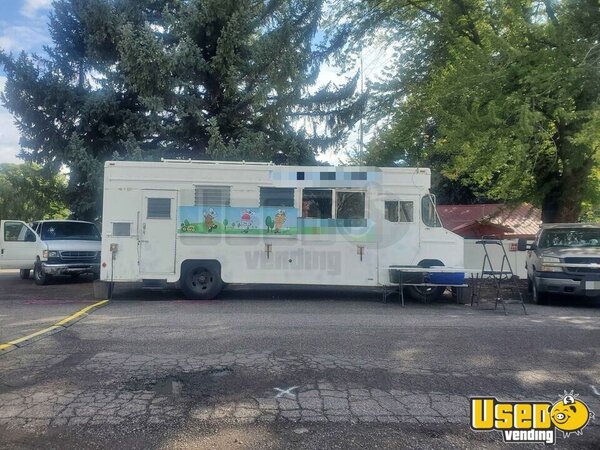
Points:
x=56 y=328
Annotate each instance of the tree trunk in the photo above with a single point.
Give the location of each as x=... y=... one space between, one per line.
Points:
x=563 y=204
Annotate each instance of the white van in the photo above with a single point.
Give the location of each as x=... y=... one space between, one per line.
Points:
x=204 y=224
x=49 y=248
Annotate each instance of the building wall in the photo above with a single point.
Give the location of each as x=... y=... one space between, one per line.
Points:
x=474 y=255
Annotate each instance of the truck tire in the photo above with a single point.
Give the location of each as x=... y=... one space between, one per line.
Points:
x=39 y=276
x=425 y=293
x=537 y=297
x=201 y=282
x=24 y=274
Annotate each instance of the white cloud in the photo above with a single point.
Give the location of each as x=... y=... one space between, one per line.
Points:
x=16 y=38
x=31 y=7
x=9 y=134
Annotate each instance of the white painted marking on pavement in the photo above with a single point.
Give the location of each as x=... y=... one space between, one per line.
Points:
x=287 y=391
x=595 y=390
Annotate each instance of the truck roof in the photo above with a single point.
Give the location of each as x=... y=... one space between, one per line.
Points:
x=549 y=226
x=266 y=165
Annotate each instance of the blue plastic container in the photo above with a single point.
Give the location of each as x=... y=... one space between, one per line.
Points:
x=446 y=278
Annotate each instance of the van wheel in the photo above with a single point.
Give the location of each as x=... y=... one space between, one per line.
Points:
x=201 y=282
x=24 y=274
x=39 y=276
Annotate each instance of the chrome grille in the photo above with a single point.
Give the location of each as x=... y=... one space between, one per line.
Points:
x=78 y=255
x=582 y=260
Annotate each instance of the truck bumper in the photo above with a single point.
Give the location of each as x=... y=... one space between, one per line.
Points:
x=70 y=269
x=562 y=283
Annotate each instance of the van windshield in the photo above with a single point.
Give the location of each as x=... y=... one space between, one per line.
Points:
x=564 y=237
x=69 y=231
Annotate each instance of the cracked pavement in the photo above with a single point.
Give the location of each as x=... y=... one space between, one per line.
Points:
x=271 y=369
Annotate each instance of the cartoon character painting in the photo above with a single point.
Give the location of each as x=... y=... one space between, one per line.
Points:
x=280 y=218
x=246 y=220
x=209 y=220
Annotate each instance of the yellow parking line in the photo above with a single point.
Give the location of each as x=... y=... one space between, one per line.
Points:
x=79 y=313
x=62 y=324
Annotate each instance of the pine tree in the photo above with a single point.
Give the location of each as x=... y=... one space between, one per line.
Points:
x=131 y=79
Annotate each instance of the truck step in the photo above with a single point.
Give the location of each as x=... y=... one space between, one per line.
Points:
x=154 y=284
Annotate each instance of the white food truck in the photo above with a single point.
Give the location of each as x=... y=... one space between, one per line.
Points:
x=207 y=223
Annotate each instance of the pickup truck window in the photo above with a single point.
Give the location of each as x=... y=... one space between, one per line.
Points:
x=69 y=231
x=565 y=237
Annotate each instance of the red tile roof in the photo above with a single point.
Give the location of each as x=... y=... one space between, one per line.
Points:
x=521 y=221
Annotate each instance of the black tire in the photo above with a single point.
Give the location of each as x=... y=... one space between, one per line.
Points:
x=39 y=276
x=425 y=293
x=537 y=297
x=24 y=274
x=201 y=282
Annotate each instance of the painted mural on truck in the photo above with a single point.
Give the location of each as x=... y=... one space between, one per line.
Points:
x=267 y=221
x=238 y=220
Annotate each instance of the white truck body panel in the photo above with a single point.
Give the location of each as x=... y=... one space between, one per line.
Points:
x=155 y=215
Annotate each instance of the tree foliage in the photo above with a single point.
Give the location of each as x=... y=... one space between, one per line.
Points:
x=28 y=192
x=499 y=96
x=221 y=79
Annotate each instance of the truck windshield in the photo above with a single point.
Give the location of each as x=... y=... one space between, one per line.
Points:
x=565 y=237
x=69 y=231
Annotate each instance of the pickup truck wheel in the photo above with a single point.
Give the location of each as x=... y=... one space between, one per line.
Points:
x=539 y=298
x=39 y=276
x=201 y=282
x=24 y=274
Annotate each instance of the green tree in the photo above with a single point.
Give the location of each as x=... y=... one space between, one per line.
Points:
x=28 y=192
x=225 y=223
x=195 y=79
x=269 y=223
x=501 y=96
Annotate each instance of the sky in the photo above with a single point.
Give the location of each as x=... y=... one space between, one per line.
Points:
x=24 y=27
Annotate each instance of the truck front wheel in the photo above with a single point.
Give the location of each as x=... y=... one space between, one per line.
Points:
x=539 y=298
x=201 y=282
x=39 y=276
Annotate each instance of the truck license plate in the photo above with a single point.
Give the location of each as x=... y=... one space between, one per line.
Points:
x=592 y=285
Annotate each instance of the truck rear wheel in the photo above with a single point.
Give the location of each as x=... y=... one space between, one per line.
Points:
x=39 y=276
x=201 y=282
x=24 y=274
x=425 y=293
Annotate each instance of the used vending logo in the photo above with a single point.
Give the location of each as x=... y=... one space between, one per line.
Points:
x=530 y=421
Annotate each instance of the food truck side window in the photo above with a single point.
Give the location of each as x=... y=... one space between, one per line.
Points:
x=317 y=203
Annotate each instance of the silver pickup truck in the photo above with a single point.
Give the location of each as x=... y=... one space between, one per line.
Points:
x=563 y=259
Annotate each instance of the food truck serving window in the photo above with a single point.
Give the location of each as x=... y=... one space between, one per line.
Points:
x=317 y=203
x=428 y=212
x=349 y=205
x=279 y=197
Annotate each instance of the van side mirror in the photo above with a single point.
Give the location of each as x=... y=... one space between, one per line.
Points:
x=522 y=245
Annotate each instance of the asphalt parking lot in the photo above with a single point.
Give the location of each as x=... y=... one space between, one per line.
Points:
x=280 y=368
